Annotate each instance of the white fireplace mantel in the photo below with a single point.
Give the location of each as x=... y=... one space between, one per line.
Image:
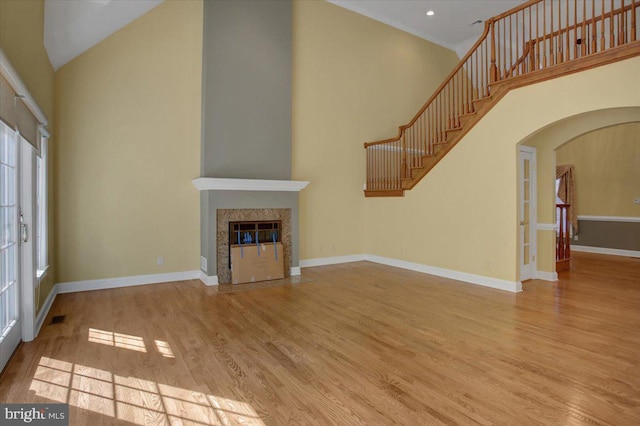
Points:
x=228 y=184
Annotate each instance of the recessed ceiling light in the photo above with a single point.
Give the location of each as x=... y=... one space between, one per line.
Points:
x=430 y=13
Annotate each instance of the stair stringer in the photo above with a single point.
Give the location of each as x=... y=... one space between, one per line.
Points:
x=463 y=216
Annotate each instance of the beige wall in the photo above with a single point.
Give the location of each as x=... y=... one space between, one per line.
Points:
x=128 y=132
x=607 y=170
x=21 y=39
x=354 y=80
x=463 y=214
x=546 y=141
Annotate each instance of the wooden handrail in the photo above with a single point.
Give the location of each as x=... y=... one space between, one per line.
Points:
x=516 y=9
x=438 y=90
x=505 y=51
x=589 y=21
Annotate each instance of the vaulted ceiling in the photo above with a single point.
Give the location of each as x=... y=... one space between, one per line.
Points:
x=73 y=26
x=455 y=24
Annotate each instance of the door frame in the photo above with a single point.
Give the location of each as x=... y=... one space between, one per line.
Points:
x=12 y=339
x=533 y=214
x=27 y=204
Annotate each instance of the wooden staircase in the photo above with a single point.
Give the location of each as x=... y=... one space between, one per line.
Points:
x=537 y=41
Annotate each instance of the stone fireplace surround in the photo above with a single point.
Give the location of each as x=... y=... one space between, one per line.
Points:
x=224 y=216
x=224 y=200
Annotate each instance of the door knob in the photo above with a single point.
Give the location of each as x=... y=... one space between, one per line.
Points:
x=24 y=230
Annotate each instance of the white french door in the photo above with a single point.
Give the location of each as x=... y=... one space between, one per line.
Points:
x=10 y=326
x=527 y=211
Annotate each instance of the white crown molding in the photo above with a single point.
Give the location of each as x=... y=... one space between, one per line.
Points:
x=610 y=218
x=603 y=250
x=101 y=284
x=44 y=311
x=208 y=280
x=332 y=260
x=545 y=276
x=228 y=184
x=546 y=227
x=9 y=73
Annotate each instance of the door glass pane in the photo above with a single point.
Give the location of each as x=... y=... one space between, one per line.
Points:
x=4 y=313
x=527 y=232
x=526 y=169
x=7 y=187
x=4 y=262
x=527 y=193
x=7 y=226
x=8 y=234
x=7 y=147
x=526 y=254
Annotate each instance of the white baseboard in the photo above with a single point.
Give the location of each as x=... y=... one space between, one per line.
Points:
x=208 y=280
x=46 y=307
x=545 y=276
x=106 y=283
x=603 y=250
x=332 y=260
x=295 y=271
x=512 y=286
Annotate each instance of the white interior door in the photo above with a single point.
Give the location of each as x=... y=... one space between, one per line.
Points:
x=10 y=326
x=527 y=211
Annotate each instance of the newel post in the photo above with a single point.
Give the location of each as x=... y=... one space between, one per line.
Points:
x=493 y=73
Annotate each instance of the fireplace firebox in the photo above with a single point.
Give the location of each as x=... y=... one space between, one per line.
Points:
x=246 y=224
x=254 y=232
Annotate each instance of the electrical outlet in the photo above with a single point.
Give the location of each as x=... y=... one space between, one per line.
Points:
x=160 y=260
x=203 y=263
x=636 y=201
x=575 y=238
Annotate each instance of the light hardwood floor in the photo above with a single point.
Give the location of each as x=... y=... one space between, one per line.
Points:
x=356 y=343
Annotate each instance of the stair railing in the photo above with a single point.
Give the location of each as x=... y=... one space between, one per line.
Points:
x=563 y=236
x=533 y=36
x=390 y=160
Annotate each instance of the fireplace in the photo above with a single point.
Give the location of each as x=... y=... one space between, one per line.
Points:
x=246 y=112
x=226 y=200
x=254 y=232
x=247 y=224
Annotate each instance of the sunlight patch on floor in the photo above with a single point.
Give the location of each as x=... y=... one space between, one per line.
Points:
x=119 y=340
x=164 y=348
x=135 y=400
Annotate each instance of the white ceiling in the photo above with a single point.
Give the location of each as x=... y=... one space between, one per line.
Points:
x=451 y=26
x=73 y=26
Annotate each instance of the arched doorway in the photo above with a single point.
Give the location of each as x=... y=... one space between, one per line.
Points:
x=547 y=141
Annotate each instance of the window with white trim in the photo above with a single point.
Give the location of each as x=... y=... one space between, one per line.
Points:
x=41 y=206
